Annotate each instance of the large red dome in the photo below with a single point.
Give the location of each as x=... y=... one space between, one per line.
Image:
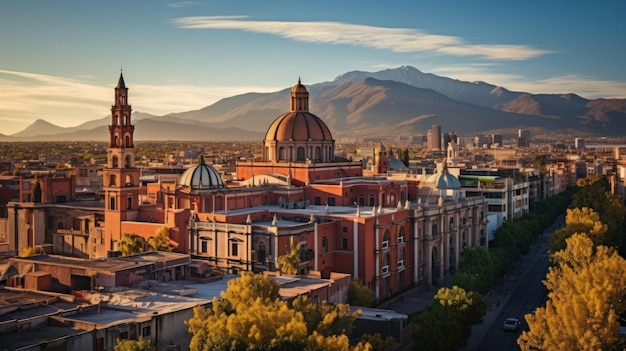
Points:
x=298 y=126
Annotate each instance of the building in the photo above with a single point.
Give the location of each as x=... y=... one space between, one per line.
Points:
x=433 y=137
x=391 y=229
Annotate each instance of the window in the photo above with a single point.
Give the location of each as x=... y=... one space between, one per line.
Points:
x=372 y=200
x=129 y=203
x=317 y=200
x=112 y=204
x=281 y=154
x=145 y=331
x=401 y=235
x=300 y=155
x=344 y=243
x=127 y=160
x=331 y=201
x=114 y=160
x=344 y=229
x=234 y=248
x=204 y=246
x=386 y=240
x=324 y=245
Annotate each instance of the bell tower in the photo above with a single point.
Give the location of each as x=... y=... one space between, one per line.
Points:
x=120 y=176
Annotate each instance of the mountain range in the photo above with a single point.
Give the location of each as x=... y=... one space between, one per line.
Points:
x=401 y=101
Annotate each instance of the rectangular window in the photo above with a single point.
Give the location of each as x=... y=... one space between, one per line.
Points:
x=324 y=245
x=129 y=203
x=344 y=243
x=112 y=204
x=317 y=200
x=331 y=201
x=203 y=246
x=234 y=248
x=145 y=331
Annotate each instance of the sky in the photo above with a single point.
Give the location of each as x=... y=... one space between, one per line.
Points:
x=60 y=60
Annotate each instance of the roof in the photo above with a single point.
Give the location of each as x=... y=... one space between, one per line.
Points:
x=202 y=177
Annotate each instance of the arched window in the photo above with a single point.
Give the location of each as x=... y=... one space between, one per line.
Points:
x=267 y=153
x=401 y=235
x=127 y=141
x=318 y=154
x=116 y=140
x=301 y=156
x=281 y=154
x=112 y=180
x=127 y=161
x=114 y=161
x=386 y=238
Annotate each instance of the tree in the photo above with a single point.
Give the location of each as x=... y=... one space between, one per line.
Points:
x=134 y=345
x=289 y=263
x=587 y=285
x=445 y=325
x=29 y=251
x=579 y=220
x=360 y=295
x=378 y=343
x=130 y=244
x=161 y=240
x=252 y=316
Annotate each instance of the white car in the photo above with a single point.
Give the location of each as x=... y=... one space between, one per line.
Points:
x=511 y=324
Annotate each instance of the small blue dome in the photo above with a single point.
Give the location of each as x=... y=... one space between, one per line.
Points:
x=202 y=177
x=447 y=181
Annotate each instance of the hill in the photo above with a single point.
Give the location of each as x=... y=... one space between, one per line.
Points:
x=401 y=101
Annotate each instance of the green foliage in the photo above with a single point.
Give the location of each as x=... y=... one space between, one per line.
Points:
x=161 y=240
x=595 y=193
x=130 y=244
x=134 y=345
x=378 y=343
x=446 y=324
x=360 y=295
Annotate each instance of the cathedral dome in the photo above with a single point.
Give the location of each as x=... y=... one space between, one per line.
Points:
x=298 y=126
x=202 y=177
x=446 y=180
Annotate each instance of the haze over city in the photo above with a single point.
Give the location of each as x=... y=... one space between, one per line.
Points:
x=60 y=59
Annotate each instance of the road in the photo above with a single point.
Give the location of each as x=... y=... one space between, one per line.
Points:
x=526 y=292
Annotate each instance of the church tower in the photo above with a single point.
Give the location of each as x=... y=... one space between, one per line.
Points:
x=381 y=160
x=120 y=176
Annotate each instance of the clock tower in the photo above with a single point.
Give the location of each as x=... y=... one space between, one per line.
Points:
x=120 y=176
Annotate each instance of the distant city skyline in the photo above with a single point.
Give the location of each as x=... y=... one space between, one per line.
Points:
x=60 y=59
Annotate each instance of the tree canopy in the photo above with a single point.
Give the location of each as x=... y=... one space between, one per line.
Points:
x=252 y=316
x=134 y=345
x=161 y=240
x=290 y=262
x=587 y=285
x=130 y=244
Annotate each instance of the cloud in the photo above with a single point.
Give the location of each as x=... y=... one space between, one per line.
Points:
x=402 y=40
x=181 y=4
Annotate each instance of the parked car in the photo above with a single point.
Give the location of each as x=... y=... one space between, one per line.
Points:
x=511 y=324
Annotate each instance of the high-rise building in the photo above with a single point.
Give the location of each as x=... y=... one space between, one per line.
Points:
x=434 y=137
x=579 y=143
x=496 y=140
x=523 y=138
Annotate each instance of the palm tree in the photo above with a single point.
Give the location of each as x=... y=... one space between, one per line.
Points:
x=161 y=240
x=290 y=262
x=130 y=244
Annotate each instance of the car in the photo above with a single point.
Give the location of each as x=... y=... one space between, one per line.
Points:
x=511 y=324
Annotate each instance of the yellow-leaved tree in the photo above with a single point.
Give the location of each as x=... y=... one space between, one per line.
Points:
x=579 y=220
x=587 y=285
x=252 y=316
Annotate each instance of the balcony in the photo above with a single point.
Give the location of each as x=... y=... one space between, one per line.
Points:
x=386 y=269
x=385 y=245
x=400 y=240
